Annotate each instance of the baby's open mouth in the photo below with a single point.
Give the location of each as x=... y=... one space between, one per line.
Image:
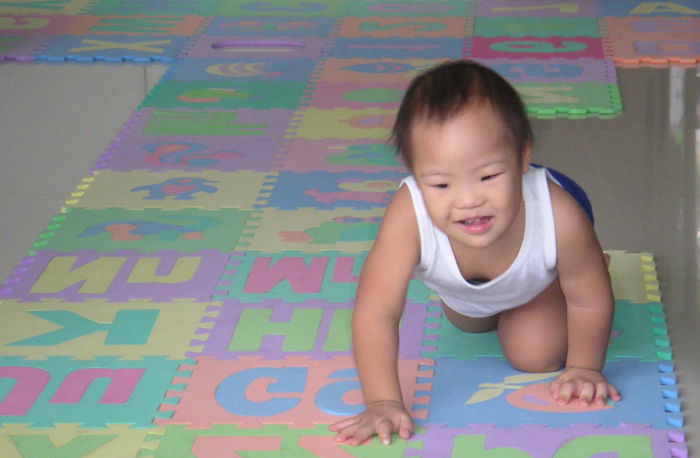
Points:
x=476 y=221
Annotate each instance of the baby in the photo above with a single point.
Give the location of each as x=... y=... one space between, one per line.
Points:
x=505 y=246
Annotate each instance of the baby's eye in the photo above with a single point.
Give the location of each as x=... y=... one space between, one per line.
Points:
x=489 y=177
x=440 y=186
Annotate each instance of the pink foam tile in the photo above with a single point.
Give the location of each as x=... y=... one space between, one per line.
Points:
x=537 y=48
x=297 y=391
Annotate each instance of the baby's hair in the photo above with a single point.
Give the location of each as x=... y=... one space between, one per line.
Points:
x=447 y=89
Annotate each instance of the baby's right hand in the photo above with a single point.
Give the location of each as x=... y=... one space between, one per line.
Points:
x=381 y=418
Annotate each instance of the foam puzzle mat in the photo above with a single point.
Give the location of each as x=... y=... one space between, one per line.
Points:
x=193 y=296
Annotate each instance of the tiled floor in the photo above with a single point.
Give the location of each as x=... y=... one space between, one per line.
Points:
x=640 y=169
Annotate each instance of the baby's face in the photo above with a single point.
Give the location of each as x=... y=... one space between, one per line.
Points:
x=470 y=176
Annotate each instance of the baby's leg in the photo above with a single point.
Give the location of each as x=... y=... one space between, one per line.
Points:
x=534 y=335
x=469 y=324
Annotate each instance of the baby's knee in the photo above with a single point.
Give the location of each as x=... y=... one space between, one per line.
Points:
x=468 y=324
x=536 y=366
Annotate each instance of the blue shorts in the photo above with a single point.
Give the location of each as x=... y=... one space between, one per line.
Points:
x=573 y=188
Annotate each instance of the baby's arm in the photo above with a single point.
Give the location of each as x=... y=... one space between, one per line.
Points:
x=379 y=304
x=585 y=282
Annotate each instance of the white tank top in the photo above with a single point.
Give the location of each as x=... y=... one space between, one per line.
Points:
x=532 y=271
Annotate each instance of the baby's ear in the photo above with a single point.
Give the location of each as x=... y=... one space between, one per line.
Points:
x=526 y=158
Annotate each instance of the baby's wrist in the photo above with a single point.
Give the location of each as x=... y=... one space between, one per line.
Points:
x=583 y=368
x=380 y=402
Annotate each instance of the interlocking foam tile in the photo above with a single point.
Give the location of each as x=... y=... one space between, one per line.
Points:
x=441 y=8
x=190 y=153
x=534 y=8
x=548 y=71
x=17 y=47
x=323 y=190
x=272 y=26
x=67 y=7
x=634 y=276
x=536 y=48
x=258 y=95
x=633 y=440
x=95 y=328
x=400 y=48
x=295 y=277
x=536 y=27
x=70 y=441
x=357 y=95
x=624 y=8
x=343 y=123
x=660 y=40
x=35 y=24
x=154 y=25
x=115 y=48
x=442 y=339
x=269 y=440
x=639 y=332
x=146 y=231
x=296 y=391
x=373 y=71
x=153 y=7
x=583 y=99
x=239 y=124
x=311 y=231
x=339 y=156
x=234 y=47
x=261 y=70
x=63 y=390
x=405 y=27
x=118 y=276
x=502 y=396
x=275 y=329
x=296 y=8
x=169 y=190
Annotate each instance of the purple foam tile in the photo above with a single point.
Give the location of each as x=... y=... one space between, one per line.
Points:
x=35 y=24
x=340 y=155
x=536 y=8
x=266 y=329
x=161 y=153
x=18 y=47
x=236 y=47
x=119 y=276
x=117 y=48
x=540 y=441
x=549 y=71
x=241 y=26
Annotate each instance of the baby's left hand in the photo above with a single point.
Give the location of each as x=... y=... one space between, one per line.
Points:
x=589 y=386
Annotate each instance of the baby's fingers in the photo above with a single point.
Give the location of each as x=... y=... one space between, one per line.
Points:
x=562 y=392
x=384 y=430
